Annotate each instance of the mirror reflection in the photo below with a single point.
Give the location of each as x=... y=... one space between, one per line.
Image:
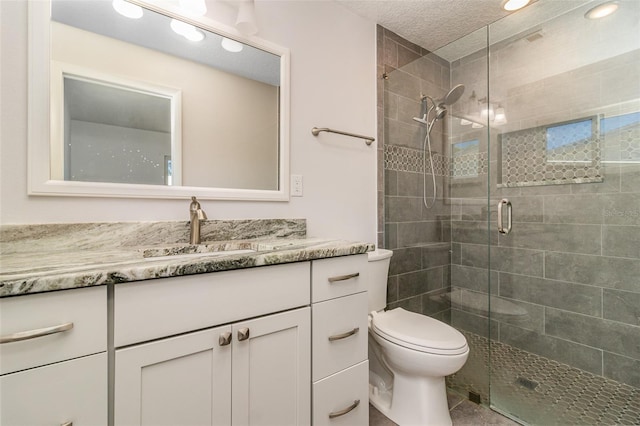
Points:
x=219 y=107
x=115 y=134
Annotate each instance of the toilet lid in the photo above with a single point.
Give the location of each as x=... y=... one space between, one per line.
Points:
x=418 y=332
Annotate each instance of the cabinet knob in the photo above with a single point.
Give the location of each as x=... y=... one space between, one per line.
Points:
x=224 y=339
x=243 y=334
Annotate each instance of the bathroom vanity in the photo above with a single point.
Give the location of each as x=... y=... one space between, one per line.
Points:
x=276 y=334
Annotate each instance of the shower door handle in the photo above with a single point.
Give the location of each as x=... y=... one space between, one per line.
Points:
x=501 y=229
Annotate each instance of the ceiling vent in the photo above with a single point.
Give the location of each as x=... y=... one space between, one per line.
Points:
x=534 y=36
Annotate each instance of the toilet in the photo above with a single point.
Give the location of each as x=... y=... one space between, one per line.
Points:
x=409 y=356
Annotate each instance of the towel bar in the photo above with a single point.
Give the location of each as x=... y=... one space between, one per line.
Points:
x=315 y=131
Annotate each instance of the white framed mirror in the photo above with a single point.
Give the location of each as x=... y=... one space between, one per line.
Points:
x=122 y=107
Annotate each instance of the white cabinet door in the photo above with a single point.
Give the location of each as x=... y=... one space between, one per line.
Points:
x=70 y=391
x=272 y=370
x=183 y=380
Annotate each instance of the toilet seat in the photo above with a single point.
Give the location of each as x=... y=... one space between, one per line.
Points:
x=418 y=332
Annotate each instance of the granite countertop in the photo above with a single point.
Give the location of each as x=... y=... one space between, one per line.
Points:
x=79 y=265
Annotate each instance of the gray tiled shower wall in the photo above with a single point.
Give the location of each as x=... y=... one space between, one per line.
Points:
x=419 y=237
x=565 y=283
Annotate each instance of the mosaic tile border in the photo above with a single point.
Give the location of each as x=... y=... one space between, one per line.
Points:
x=470 y=165
x=404 y=159
x=567 y=160
x=548 y=392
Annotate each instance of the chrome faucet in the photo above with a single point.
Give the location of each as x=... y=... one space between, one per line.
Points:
x=196 y=214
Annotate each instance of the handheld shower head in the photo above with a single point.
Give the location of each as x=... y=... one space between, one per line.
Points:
x=440 y=105
x=441 y=111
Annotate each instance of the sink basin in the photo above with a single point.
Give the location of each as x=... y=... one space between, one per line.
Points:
x=189 y=250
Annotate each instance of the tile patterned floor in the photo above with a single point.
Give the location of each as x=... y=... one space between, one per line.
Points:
x=463 y=413
x=546 y=392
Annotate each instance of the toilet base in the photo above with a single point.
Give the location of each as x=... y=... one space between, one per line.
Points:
x=413 y=402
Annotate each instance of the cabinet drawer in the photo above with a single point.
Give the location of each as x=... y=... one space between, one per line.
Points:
x=153 y=309
x=335 y=395
x=344 y=320
x=85 y=308
x=70 y=391
x=338 y=276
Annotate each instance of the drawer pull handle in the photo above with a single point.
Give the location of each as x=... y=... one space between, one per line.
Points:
x=224 y=339
x=343 y=277
x=243 y=334
x=67 y=424
x=345 y=411
x=344 y=335
x=32 y=334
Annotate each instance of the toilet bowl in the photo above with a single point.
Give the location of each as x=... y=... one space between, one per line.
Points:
x=409 y=356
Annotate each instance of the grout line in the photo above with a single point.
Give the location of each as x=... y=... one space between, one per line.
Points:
x=457 y=404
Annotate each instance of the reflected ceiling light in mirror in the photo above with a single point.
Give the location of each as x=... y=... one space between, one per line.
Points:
x=511 y=5
x=194 y=7
x=188 y=31
x=246 y=20
x=601 y=11
x=231 y=45
x=127 y=9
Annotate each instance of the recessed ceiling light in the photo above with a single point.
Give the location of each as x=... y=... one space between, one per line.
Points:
x=127 y=9
x=231 y=45
x=601 y=11
x=188 y=31
x=511 y=5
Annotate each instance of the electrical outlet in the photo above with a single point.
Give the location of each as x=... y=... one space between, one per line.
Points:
x=296 y=185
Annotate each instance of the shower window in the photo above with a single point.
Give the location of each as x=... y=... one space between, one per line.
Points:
x=572 y=143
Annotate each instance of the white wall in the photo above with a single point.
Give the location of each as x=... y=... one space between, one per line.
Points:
x=332 y=85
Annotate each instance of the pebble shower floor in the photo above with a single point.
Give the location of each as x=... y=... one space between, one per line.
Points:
x=546 y=391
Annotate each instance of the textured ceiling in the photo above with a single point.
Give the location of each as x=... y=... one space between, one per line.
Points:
x=429 y=23
x=433 y=24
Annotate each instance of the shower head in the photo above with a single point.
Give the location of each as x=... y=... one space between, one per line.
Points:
x=440 y=105
x=453 y=95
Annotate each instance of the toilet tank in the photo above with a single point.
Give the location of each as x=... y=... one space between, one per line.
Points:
x=378 y=271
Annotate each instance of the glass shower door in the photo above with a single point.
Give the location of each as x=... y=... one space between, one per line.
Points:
x=564 y=116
